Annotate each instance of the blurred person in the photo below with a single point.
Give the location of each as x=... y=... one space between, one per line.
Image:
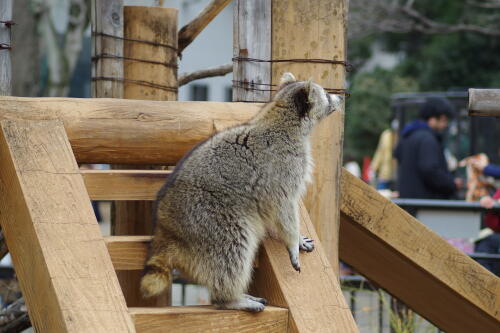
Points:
x=489 y=242
x=383 y=163
x=487 y=169
x=423 y=170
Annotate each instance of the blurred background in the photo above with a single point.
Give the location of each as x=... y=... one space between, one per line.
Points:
x=402 y=53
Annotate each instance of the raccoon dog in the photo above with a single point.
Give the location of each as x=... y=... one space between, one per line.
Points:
x=231 y=191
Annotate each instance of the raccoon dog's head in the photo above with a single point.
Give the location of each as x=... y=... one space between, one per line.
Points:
x=307 y=101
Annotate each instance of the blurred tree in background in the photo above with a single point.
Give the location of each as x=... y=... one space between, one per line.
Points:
x=438 y=46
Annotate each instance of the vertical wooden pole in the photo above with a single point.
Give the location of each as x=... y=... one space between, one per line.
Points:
x=150 y=72
x=300 y=29
x=5 y=42
x=107 y=48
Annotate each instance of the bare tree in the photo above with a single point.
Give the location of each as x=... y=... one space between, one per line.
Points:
x=401 y=16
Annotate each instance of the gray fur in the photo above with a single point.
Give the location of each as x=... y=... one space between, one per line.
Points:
x=234 y=189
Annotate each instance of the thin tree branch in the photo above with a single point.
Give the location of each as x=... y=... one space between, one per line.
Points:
x=189 y=32
x=204 y=73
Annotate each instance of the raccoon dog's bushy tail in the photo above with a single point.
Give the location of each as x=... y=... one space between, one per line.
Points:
x=155 y=280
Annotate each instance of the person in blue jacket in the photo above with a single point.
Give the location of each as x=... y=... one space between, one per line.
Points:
x=422 y=168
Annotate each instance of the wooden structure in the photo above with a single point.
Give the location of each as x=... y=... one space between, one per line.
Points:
x=5 y=46
x=67 y=269
x=484 y=102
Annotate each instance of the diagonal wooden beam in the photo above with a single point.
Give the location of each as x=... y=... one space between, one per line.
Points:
x=403 y=256
x=64 y=270
x=313 y=296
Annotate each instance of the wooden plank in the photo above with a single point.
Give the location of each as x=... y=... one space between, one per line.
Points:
x=64 y=270
x=189 y=32
x=107 y=48
x=189 y=319
x=130 y=131
x=313 y=296
x=484 y=102
x=153 y=77
x=128 y=252
x=403 y=256
x=5 y=61
x=306 y=30
x=124 y=184
x=252 y=39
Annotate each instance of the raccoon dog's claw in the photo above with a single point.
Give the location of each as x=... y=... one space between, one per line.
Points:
x=306 y=244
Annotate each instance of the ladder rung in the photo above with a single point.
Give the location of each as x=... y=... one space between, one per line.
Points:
x=208 y=319
x=124 y=184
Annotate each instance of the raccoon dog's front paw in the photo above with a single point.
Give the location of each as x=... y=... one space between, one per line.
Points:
x=294 y=258
x=306 y=244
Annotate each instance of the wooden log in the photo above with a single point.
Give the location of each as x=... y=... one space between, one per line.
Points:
x=124 y=184
x=252 y=39
x=189 y=32
x=64 y=270
x=298 y=31
x=222 y=70
x=5 y=42
x=107 y=48
x=289 y=30
x=152 y=75
x=188 y=319
x=393 y=249
x=313 y=296
x=484 y=102
x=128 y=131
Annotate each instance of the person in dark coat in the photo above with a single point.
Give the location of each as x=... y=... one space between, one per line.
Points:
x=422 y=168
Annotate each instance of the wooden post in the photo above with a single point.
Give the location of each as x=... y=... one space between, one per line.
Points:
x=5 y=44
x=107 y=48
x=150 y=72
x=301 y=29
x=64 y=270
x=484 y=102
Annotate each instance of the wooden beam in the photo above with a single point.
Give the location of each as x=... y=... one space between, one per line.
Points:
x=107 y=48
x=152 y=76
x=5 y=42
x=130 y=131
x=484 y=102
x=189 y=32
x=313 y=296
x=128 y=252
x=64 y=270
x=403 y=256
x=189 y=319
x=124 y=184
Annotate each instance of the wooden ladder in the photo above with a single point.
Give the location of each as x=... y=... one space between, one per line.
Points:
x=66 y=268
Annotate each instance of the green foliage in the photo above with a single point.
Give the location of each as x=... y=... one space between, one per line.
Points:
x=429 y=62
x=367 y=109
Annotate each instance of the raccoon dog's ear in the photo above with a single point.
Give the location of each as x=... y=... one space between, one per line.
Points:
x=287 y=78
x=301 y=100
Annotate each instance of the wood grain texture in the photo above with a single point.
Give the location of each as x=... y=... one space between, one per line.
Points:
x=156 y=26
x=124 y=184
x=252 y=39
x=206 y=319
x=403 y=256
x=130 y=131
x=107 y=18
x=128 y=252
x=313 y=296
x=5 y=60
x=316 y=29
x=64 y=270
x=484 y=102
x=189 y=32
